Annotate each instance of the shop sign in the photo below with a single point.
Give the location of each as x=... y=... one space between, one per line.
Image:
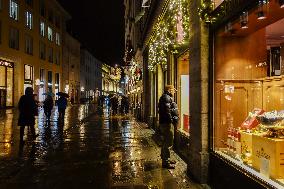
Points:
x=7 y=64
x=28 y=81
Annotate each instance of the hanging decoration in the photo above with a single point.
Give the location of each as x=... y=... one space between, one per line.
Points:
x=170 y=31
x=205 y=11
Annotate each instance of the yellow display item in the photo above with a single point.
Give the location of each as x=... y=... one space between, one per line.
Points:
x=268 y=153
x=246 y=142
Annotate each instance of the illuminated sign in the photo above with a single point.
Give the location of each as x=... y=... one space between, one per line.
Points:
x=7 y=64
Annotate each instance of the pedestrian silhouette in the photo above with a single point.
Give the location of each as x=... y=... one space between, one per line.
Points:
x=61 y=105
x=28 y=110
x=48 y=106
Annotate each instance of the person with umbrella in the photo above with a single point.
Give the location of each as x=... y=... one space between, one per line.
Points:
x=62 y=104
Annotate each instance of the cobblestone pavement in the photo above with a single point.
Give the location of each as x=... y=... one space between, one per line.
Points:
x=86 y=151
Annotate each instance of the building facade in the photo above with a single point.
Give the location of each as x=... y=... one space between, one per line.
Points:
x=110 y=80
x=90 y=74
x=71 y=67
x=30 y=48
x=174 y=47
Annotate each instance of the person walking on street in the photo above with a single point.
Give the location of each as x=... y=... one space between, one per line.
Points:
x=61 y=105
x=28 y=110
x=168 y=117
x=48 y=106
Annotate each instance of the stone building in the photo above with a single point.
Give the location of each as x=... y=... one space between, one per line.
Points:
x=174 y=47
x=30 y=48
x=90 y=74
x=71 y=67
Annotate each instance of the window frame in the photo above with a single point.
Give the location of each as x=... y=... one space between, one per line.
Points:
x=49 y=33
x=14 y=14
x=29 y=20
x=28 y=44
x=14 y=38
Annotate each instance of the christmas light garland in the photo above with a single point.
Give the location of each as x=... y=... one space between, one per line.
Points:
x=165 y=32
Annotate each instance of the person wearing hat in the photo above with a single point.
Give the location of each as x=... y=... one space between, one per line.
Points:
x=168 y=117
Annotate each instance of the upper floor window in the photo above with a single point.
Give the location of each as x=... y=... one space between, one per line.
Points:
x=29 y=2
x=50 y=15
x=14 y=9
x=42 y=8
x=0 y=31
x=42 y=50
x=42 y=28
x=42 y=75
x=50 y=54
x=0 y=4
x=57 y=21
x=57 y=39
x=57 y=57
x=14 y=38
x=29 y=20
x=28 y=44
x=49 y=33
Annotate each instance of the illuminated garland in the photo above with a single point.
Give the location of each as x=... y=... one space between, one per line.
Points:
x=205 y=10
x=165 y=33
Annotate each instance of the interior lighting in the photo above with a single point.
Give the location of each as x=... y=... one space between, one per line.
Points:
x=261 y=15
x=281 y=3
x=244 y=20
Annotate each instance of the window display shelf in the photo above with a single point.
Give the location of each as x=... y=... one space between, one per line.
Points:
x=279 y=183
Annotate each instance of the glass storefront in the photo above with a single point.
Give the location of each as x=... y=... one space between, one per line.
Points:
x=249 y=92
x=6 y=83
x=183 y=92
x=29 y=76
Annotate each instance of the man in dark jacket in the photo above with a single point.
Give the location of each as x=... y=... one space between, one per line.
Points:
x=168 y=116
x=28 y=110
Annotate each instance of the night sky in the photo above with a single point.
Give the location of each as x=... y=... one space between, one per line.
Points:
x=99 y=26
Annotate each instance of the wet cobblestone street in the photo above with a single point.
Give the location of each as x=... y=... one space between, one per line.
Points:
x=86 y=151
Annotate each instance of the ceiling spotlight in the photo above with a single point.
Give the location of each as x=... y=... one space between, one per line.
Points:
x=261 y=15
x=244 y=25
x=281 y=3
x=244 y=20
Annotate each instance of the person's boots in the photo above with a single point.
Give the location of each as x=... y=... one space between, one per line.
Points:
x=22 y=132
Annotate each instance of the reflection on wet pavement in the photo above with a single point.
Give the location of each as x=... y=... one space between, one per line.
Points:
x=85 y=150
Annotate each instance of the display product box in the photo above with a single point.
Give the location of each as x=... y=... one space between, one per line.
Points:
x=268 y=156
x=246 y=142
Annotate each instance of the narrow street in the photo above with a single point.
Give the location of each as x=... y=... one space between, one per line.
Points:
x=86 y=151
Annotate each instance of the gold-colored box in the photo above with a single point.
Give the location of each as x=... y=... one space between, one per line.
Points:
x=246 y=142
x=271 y=149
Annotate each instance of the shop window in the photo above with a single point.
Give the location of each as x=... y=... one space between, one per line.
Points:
x=249 y=96
x=183 y=92
x=2 y=78
x=10 y=85
x=28 y=76
x=14 y=9
x=42 y=50
x=49 y=33
x=14 y=38
x=42 y=28
x=57 y=39
x=50 y=54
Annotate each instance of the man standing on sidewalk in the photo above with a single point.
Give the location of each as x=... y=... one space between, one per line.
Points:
x=168 y=117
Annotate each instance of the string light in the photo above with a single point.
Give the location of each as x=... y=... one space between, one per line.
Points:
x=165 y=33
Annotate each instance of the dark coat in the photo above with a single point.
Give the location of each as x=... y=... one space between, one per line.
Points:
x=28 y=110
x=48 y=103
x=168 y=110
x=61 y=103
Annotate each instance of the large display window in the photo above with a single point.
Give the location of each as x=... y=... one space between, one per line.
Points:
x=249 y=92
x=183 y=92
